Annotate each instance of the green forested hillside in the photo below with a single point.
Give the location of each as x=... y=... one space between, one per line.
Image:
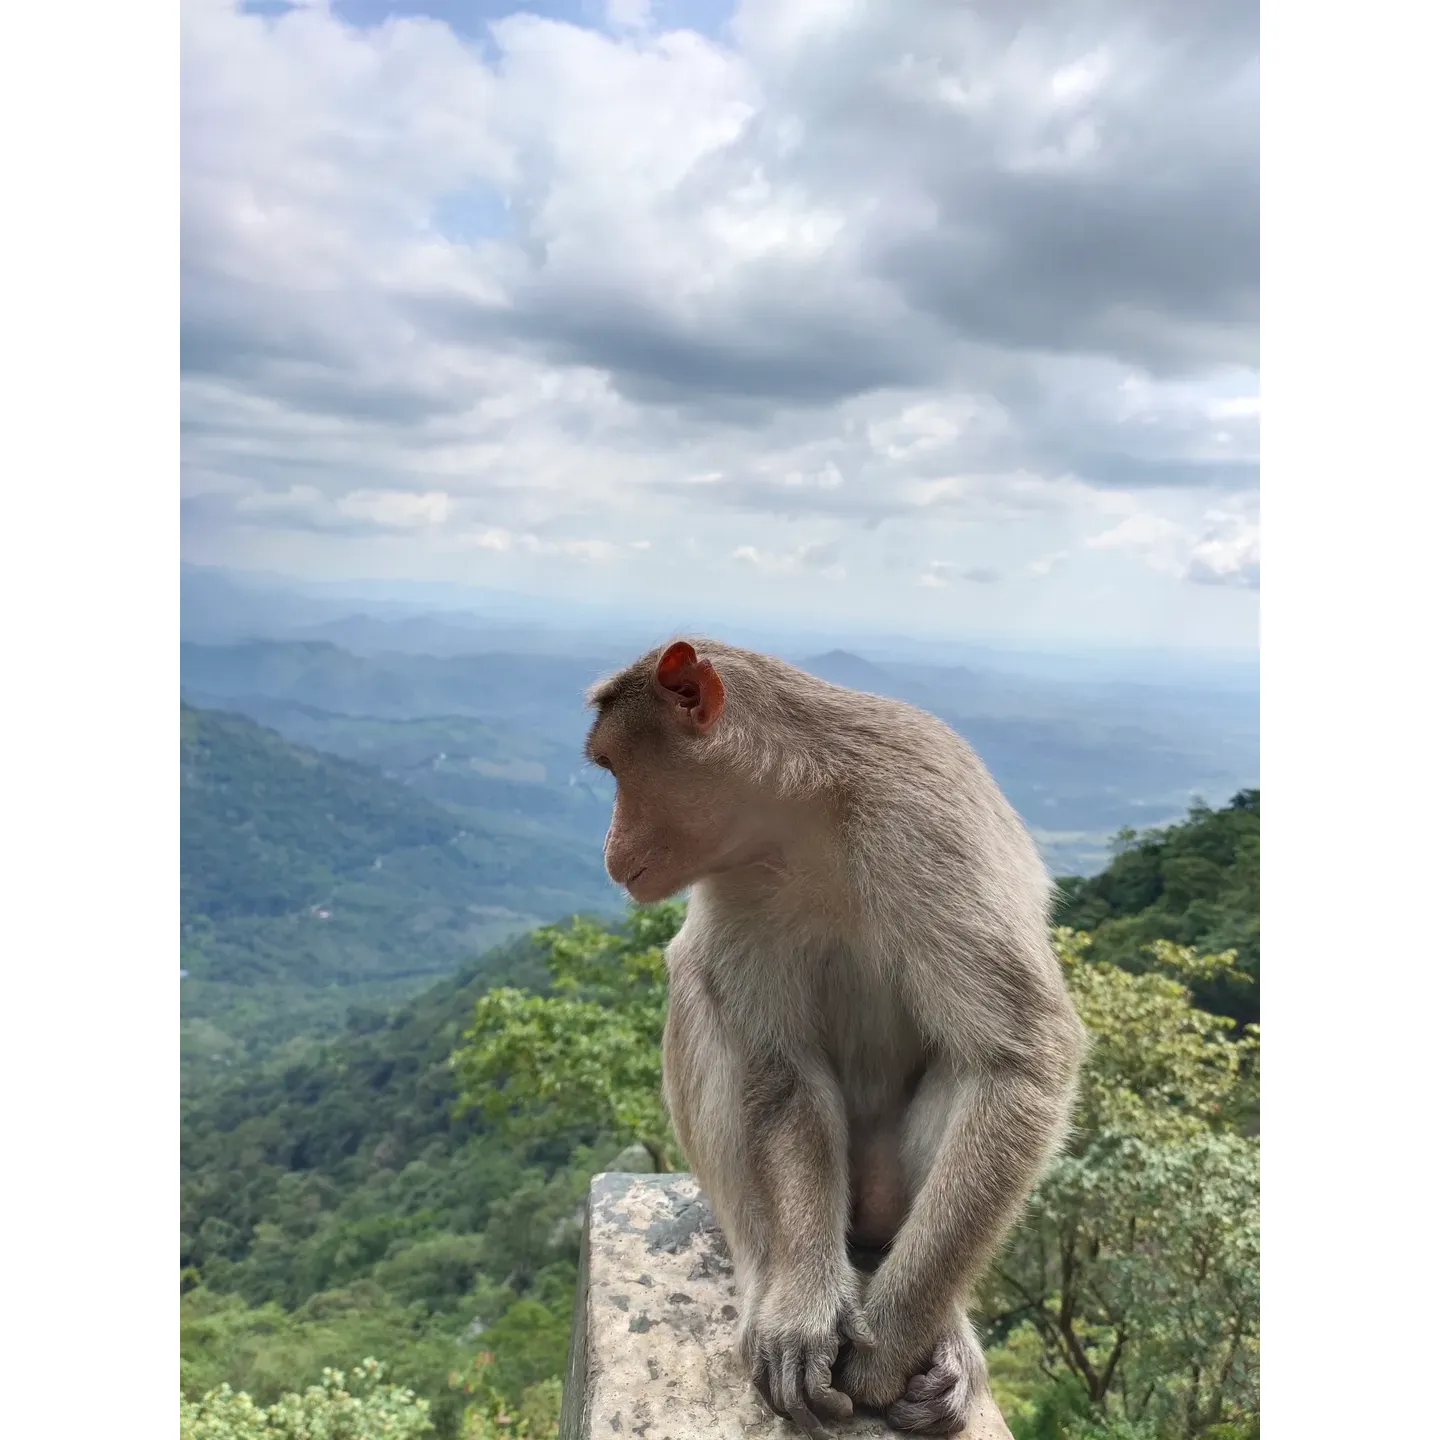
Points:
x=310 y=883
x=270 y=828
x=336 y=1207
x=500 y=733
x=1196 y=883
x=339 y=1205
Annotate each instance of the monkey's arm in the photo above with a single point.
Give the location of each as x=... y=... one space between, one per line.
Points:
x=807 y=1294
x=998 y=1136
x=764 y=1130
x=1009 y=1091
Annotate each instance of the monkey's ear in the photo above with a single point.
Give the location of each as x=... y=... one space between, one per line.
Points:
x=692 y=684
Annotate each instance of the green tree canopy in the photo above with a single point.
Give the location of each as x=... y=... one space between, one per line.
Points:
x=1196 y=884
x=357 y=1406
x=1131 y=1289
x=583 y=1060
x=1134 y=1280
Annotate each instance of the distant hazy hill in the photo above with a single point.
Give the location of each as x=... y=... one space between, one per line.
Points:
x=539 y=694
x=309 y=881
x=499 y=734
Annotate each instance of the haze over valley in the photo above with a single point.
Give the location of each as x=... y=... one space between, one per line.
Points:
x=377 y=790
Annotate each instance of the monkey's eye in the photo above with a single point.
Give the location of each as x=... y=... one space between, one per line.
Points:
x=603 y=761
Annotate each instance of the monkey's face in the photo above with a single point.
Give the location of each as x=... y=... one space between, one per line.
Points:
x=674 y=820
x=661 y=839
x=673 y=823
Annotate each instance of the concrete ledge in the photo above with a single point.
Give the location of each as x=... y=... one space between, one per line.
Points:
x=652 y=1351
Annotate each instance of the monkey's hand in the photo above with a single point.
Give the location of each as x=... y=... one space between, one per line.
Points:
x=790 y=1343
x=923 y=1391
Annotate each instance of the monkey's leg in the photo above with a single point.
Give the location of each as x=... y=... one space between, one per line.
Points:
x=765 y=1136
x=973 y=1146
x=938 y=1397
x=938 y=1394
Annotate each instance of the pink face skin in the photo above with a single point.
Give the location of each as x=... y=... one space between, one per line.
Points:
x=668 y=829
x=654 y=848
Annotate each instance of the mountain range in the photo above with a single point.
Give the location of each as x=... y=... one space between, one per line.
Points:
x=360 y=817
x=311 y=883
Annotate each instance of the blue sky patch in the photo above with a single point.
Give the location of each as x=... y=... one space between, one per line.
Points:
x=476 y=213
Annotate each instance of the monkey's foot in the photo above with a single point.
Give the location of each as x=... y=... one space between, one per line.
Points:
x=793 y=1378
x=937 y=1400
x=791 y=1360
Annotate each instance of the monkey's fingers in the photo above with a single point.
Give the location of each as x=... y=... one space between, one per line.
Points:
x=760 y=1378
x=856 y=1328
x=932 y=1417
x=824 y=1399
x=791 y=1393
x=928 y=1384
x=765 y=1375
x=935 y=1402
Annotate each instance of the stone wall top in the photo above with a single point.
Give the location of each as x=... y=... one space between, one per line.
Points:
x=652 y=1351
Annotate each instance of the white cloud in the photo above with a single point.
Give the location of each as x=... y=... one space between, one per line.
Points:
x=489 y=539
x=941 y=574
x=628 y=14
x=821 y=557
x=396 y=509
x=504 y=540
x=1044 y=564
x=515 y=312
x=1224 y=550
x=1228 y=553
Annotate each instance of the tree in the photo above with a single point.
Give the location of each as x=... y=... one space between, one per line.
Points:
x=354 y=1407
x=584 y=1060
x=1196 y=883
x=1135 y=1276
x=1126 y=1305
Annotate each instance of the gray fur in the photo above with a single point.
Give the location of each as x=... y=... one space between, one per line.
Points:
x=869 y=1039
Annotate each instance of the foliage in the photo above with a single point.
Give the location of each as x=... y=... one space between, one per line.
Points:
x=586 y=1056
x=490 y=1416
x=1133 y=1284
x=336 y=1206
x=518 y=1308
x=1136 y=1271
x=374 y=1195
x=354 y=1407
x=1196 y=884
x=310 y=883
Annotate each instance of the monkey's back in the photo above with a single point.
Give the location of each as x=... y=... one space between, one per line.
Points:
x=918 y=809
x=918 y=791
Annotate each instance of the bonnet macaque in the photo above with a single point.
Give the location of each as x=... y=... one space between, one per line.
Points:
x=870 y=1054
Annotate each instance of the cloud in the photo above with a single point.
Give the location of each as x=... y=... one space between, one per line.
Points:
x=307 y=507
x=1225 y=550
x=592 y=551
x=1228 y=553
x=1050 y=177
x=397 y=509
x=904 y=272
x=1044 y=564
x=940 y=574
x=820 y=557
x=628 y=14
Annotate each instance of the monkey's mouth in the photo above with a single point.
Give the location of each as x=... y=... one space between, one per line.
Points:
x=633 y=878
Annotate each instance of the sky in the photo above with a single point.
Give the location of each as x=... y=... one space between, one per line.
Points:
x=930 y=317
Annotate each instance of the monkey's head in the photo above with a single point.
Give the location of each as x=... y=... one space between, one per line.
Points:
x=678 y=807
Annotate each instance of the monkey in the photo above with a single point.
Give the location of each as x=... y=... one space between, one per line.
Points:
x=869 y=1054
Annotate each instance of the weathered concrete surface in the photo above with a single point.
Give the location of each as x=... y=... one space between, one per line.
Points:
x=652 y=1351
